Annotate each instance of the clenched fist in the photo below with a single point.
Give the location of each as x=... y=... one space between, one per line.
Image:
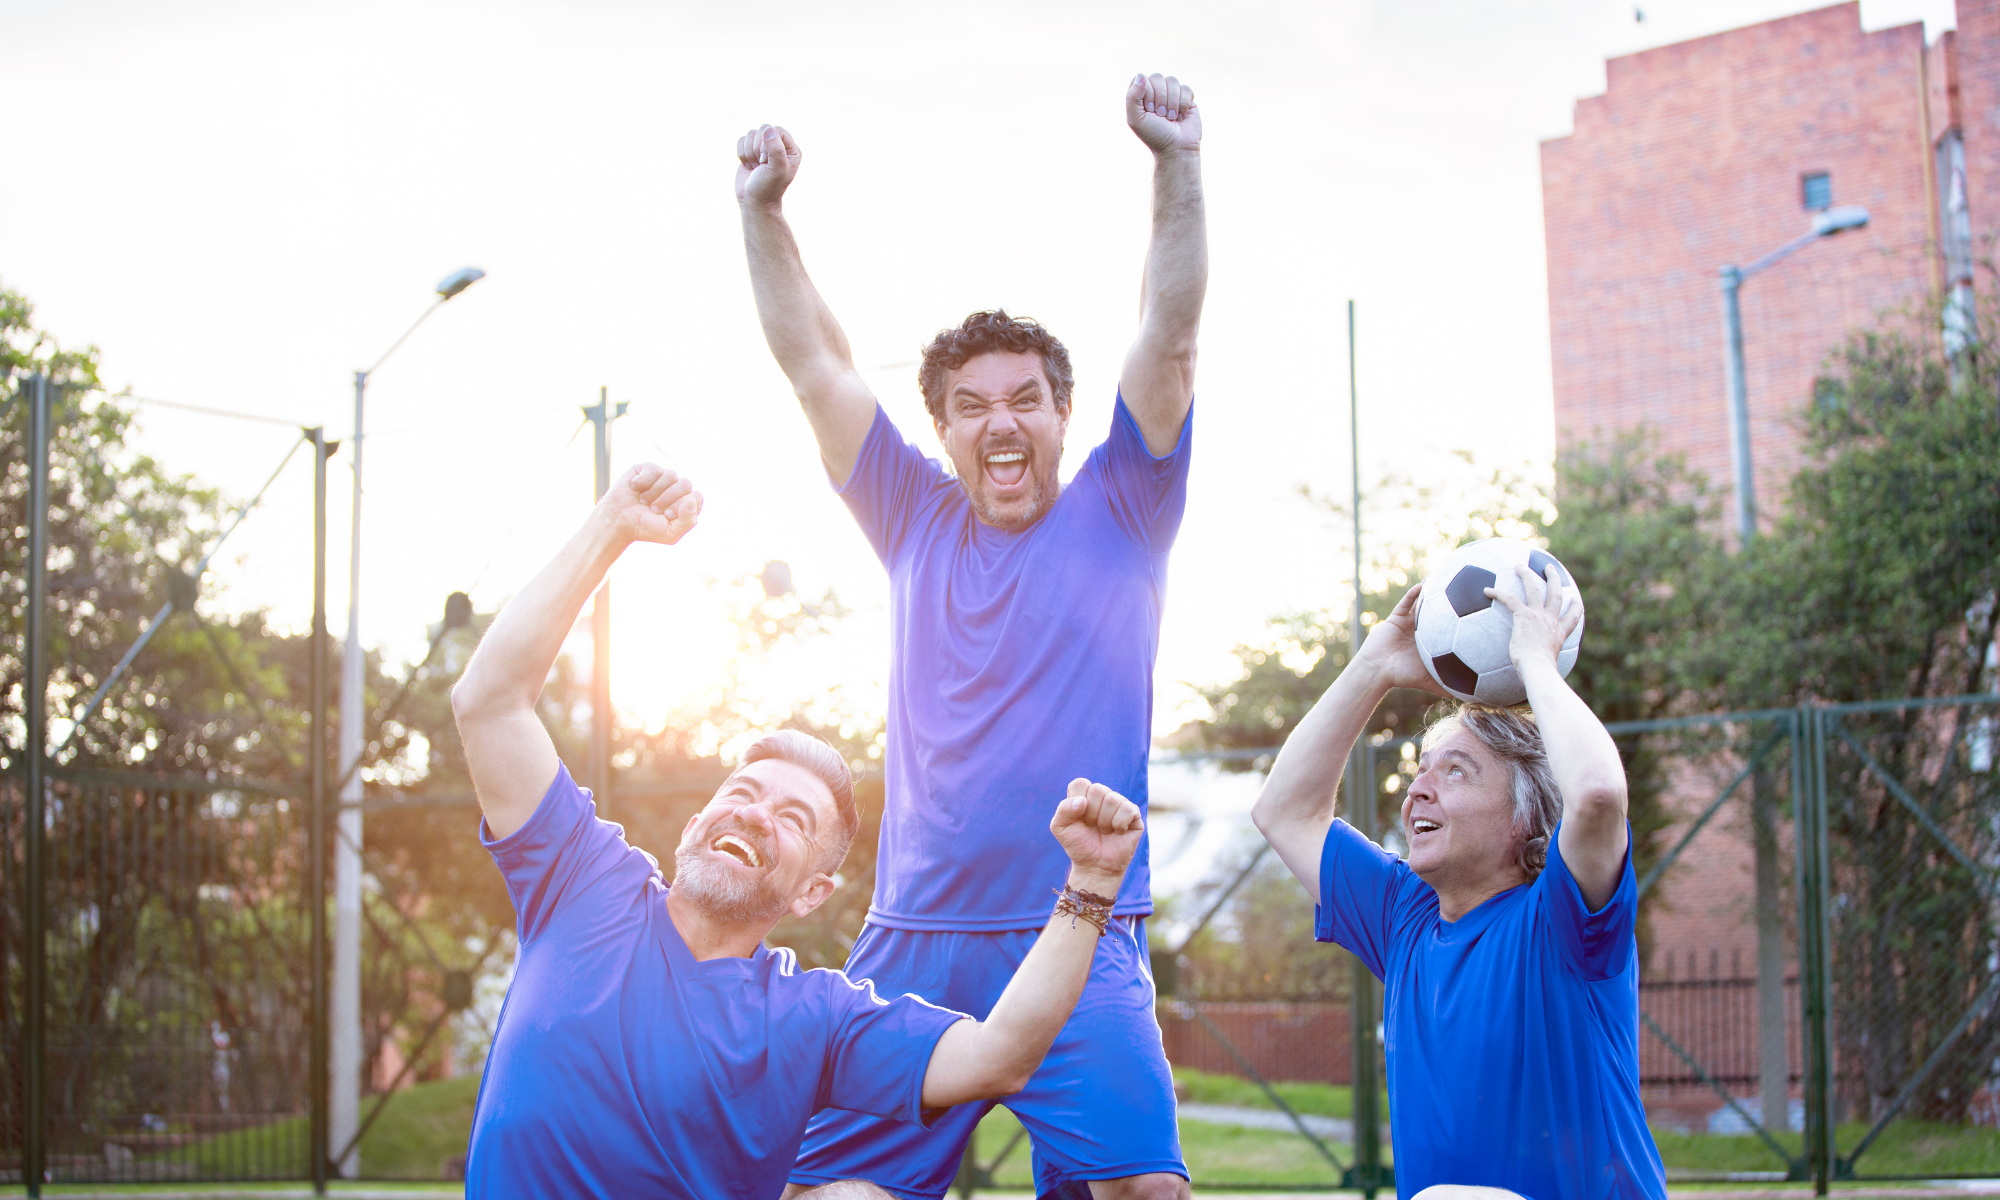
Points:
x=1099 y=830
x=649 y=503
x=1160 y=109
x=767 y=160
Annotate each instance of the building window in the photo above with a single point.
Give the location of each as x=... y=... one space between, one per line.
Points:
x=1817 y=189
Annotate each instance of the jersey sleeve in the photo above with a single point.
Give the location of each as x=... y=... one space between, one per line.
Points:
x=1148 y=493
x=562 y=854
x=879 y=1050
x=1360 y=886
x=892 y=487
x=1595 y=945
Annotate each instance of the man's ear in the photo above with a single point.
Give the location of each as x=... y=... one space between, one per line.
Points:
x=816 y=891
x=689 y=827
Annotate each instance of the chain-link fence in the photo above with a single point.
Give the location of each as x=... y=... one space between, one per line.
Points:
x=176 y=991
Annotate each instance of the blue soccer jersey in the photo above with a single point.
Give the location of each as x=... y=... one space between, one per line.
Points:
x=621 y=1066
x=1020 y=659
x=1511 y=1033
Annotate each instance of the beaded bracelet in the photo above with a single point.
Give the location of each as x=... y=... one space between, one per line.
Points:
x=1090 y=906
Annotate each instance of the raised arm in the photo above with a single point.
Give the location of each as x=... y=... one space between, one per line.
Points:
x=1589 y=774
x=1296 y=807
x=798 y=326
x=1158 y=380
x=510 y=755
x=979 y=1060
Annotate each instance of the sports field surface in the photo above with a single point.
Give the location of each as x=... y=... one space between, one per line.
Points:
x=426 y=1125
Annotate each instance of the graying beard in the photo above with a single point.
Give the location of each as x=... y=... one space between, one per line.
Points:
x=710 y=887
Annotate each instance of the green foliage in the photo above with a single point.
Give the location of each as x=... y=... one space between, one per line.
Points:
x=1260 y=946
x=1890 y=533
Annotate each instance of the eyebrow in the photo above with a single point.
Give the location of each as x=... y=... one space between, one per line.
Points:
x=1030 y=384
x=1458 y=756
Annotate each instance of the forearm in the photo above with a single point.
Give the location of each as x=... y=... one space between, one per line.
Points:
x=513 y=660
x=1584 y=759
x=1176 y=279
x=801 y=331
x=995 y=1057
x=1304 y=779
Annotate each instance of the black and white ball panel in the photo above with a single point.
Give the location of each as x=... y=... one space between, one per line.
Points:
x=1463 y=634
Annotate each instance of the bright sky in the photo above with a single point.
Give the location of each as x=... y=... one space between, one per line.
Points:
x=242 y=203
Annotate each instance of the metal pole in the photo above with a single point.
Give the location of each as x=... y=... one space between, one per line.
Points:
x=1739 y=407
x=601 y=415
x=316 y=1076
x=344 y=1054
x=1361 y=811
x=1354 y=444
x=35 y=686
x=1361 y=1010
x=1809 y=815
x=1823 y=952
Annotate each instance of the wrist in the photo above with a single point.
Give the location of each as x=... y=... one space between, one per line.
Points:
x=769 y=210
x=1088 y=879
x=1368 y=675
x=607 y=531
x=1538 y=664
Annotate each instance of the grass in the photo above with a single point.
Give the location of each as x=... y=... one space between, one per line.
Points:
x=1315 y=1099
x=432 y=1121
x=419 y=1128
x=1216 y=1154
x=1905 y=1148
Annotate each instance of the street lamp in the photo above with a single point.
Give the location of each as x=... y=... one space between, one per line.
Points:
x=1824 y=224
x=344 y=1052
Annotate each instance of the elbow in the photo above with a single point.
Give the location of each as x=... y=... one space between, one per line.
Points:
x=1011 y=1082
x=1264 y=813
x=473 y=698
x=1599 y=800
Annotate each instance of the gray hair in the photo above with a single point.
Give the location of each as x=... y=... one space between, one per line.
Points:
x=1514 y=738
x=817 y=756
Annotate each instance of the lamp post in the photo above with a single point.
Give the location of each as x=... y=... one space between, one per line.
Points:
x=1824 y=224
x=1773 y=1044
x=344 y=1051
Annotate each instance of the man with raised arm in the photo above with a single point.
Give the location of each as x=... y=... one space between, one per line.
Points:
x=1510 y=1010
x=651 y=1044
x=1026 y=620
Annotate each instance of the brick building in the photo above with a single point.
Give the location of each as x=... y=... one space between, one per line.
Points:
x=1720 y=149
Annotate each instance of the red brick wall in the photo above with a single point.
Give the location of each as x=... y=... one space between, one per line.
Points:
x=1978 y=41
x=1691 y=159
x=1310 y=1042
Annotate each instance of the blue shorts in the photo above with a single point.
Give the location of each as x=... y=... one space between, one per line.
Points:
x=1100 y=1107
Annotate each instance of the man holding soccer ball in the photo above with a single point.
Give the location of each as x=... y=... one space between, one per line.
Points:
x=1505 y=940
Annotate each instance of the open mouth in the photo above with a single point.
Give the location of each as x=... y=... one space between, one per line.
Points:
x=738 y=849
x=1423 y=825
x=1007 y=468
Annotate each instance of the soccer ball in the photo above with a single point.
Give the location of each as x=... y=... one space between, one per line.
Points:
x=1462 y=633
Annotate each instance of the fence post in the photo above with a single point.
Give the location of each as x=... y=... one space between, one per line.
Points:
x=1809 y=821
x=34 y=909
x=1361 y=995
x=316 y=1074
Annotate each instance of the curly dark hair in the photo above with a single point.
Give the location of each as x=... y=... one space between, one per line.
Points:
x=987 y=333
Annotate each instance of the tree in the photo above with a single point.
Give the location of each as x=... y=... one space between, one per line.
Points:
x=1877 y=582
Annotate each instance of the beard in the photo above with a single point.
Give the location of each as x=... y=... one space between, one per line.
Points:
x=717 y=888
x=1043 y=497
